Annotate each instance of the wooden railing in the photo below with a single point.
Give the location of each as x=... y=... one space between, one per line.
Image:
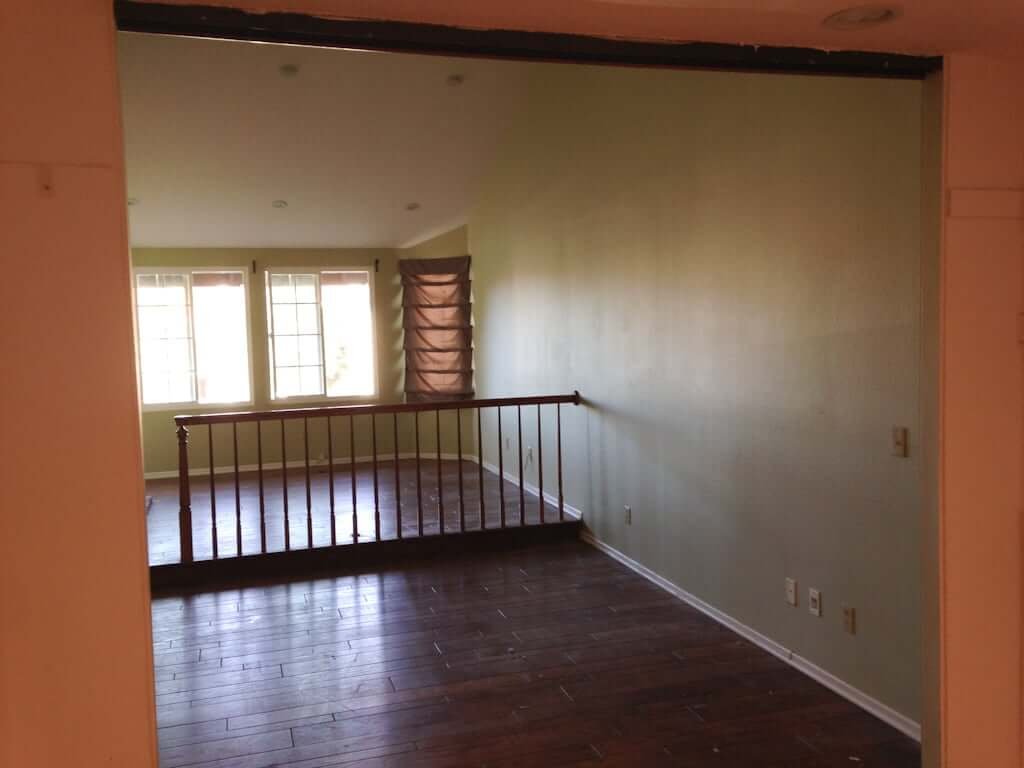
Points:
x=359 y=415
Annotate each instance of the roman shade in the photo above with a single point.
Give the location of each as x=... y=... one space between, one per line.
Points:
x=438 y=335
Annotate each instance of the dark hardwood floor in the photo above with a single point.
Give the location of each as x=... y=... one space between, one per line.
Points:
x=544 y=656
x=162 y=517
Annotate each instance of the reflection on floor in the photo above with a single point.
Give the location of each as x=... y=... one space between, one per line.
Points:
x=162 y=519
x=546 y=656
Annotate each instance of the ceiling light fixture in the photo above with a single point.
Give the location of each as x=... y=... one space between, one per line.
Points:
x=862 y=17
x=288 y=70
x=455 y=80
x=412 y=206
x=280 y=203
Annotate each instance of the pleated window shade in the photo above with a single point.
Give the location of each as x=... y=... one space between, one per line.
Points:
x=436 y=313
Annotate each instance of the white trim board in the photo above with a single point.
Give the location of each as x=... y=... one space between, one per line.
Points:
x=886 y=714
x=550 y=498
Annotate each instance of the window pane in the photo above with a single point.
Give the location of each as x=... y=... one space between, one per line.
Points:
x=221 y=339
x=348 y=335
x=309 y=350
x=281 y=289
x=287 y=382
x=287 y=350
x=295 y=333
x=307 y=318
x=310 y=380
x=305 y=288
x=165 y=345
x=180 y=388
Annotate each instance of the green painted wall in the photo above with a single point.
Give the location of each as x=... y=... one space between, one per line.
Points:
x=729 y=268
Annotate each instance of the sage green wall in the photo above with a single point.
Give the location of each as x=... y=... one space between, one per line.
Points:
x=728 y=268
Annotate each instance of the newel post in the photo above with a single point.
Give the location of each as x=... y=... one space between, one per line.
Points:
x=185 y=497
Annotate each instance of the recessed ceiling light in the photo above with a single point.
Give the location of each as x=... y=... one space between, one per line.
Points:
x=133 y=201
x=455 y=80
x=280 y=203
x=412 y=206
x=288 y=70
x=863 y=16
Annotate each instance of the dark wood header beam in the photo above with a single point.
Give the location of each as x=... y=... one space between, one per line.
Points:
x=405 y=37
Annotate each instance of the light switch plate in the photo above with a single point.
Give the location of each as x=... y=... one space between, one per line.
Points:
x=791 y=591
x=814 y=601
x=850 y=619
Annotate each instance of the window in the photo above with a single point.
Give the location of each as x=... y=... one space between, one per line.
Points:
x=320 y=329
x=192 y=336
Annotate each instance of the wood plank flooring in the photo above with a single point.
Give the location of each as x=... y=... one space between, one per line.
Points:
x=544 y=656
x=162 y=518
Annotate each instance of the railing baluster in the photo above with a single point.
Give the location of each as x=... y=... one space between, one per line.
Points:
x=540 y=466
x=561 y=496
x=185 y=521
x=376 y=488
x=259 y=471
x=458 y=442
x=501 y=470
x=419 y=479
x=330 y=481
x=213 y=495
x=238 y=494
x=522 y=488
x=309 y=492
x=284 y=488
x=352 y=472
x=184 y=498
x=480 y=467
x=440 y=487
x=398 y=481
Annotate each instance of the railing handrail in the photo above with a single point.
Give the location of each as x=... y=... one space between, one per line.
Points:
x=366 y=409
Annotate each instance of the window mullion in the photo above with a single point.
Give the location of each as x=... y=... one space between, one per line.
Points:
x=320 y=335
x=192 y=338
x=269 y=278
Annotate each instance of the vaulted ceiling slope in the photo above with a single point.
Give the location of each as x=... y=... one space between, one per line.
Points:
x=219 y=133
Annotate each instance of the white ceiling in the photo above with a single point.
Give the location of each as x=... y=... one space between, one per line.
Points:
x=214 y=133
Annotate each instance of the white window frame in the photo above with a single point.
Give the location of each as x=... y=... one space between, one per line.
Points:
x=193 y=405
x=271 y=352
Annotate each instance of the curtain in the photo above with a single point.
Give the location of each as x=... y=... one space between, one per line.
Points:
x=438 y=335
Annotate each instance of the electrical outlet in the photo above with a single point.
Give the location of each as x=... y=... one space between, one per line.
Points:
x=529 y=454
x=629 y=514
x=850 y=619
x=814 y=601
x=791 y=591
x=900 y=442
x=508 y=443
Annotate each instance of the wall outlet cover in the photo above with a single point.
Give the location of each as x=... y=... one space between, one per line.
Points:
x=850 y=619
x=791 y=591
x=814 y=602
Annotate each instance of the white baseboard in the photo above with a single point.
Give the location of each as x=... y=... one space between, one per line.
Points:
x=884 y=713
x=339 y=464
x=549 y=497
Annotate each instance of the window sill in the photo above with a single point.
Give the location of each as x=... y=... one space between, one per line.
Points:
x=197 y=407
x=288 y=402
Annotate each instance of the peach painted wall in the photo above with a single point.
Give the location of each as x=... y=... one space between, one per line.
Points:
x=981 y=389
x=76 y=681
